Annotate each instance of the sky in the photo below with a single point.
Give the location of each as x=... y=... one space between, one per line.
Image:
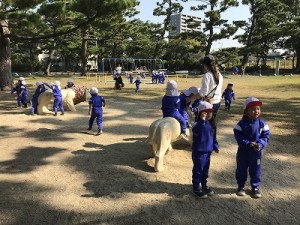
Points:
x=146 y=8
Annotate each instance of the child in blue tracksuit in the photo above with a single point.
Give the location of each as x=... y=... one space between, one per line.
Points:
x=58 y=103
x=34 y=101
x=184 y=104
x=130 y=78
x=204 y=142
x=252 y=135
x=21 y=91
x=95 y=109
x=228 y=95
x=137 y=84
x=170 y=104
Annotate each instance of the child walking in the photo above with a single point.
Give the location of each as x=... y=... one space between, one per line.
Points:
x=95 y=110
x=22 y=93
x=204 y=142
x=137 y=84
x=56 y=90
x=228 y=95
x=34 y=101
x=170 y=104
x=252 y=135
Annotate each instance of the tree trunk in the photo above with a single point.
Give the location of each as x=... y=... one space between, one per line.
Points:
x=85 y=35
x=49 y=62
x=297 y=69
x=5 y=57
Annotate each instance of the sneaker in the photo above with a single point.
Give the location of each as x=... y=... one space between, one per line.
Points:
x=256 y=193
x=200 y=194
x=208 y=191
x=241 y=191
x=184 y=136
x=99 y=132
x=62 y=114
x=55 y=114
x=89 y=128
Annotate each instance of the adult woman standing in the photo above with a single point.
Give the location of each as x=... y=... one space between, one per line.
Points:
x=211 y=87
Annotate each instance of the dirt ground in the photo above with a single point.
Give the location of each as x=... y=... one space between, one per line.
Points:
x=53 y=172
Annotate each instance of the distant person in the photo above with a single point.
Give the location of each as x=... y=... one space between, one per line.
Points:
x=70 y=84
x=235 y=70
x=96 y=103
x=130 y=78
x=118 y=82
x=252 y=135
x=137 y=84
x=228 y=95
x=204 y=143
x=119 y=69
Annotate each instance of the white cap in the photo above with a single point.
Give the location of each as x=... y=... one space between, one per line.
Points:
x=172 y=89
x=70 y=81
x=192 y=90
x=21 y=78
x=57 y=83
x=251 y=101
x=138 y=78
x=38 y=83
x=205 y=107
x=93 y=91
x=23 y=82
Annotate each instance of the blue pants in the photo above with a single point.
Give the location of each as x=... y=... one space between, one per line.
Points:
x=185 y=116
x=94 y=115
x=34 y=104
x=178 y=117
x=201 y=163
x=22 y=100
x=137 y=88
x=248 y=159
x=227 y=103
x=58 y=103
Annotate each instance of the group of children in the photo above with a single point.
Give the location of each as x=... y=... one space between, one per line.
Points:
x=251 y=133
x=22 y=94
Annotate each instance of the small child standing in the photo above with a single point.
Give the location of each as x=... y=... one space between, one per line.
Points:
x=204 y=142
x=58 y=103
x=228 y=95
x=95 y=110
x=170 y=105
x=34 y=101
x=137 y=84
x=22 y=93
x=252 y=135
x=130 y=77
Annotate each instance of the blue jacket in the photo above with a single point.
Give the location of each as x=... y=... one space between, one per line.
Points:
x=169 y=104
x=203 y=137
x=247 y=131
x=55 y=89
x=97 y=102
x=38 y=91
x=228 y=94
